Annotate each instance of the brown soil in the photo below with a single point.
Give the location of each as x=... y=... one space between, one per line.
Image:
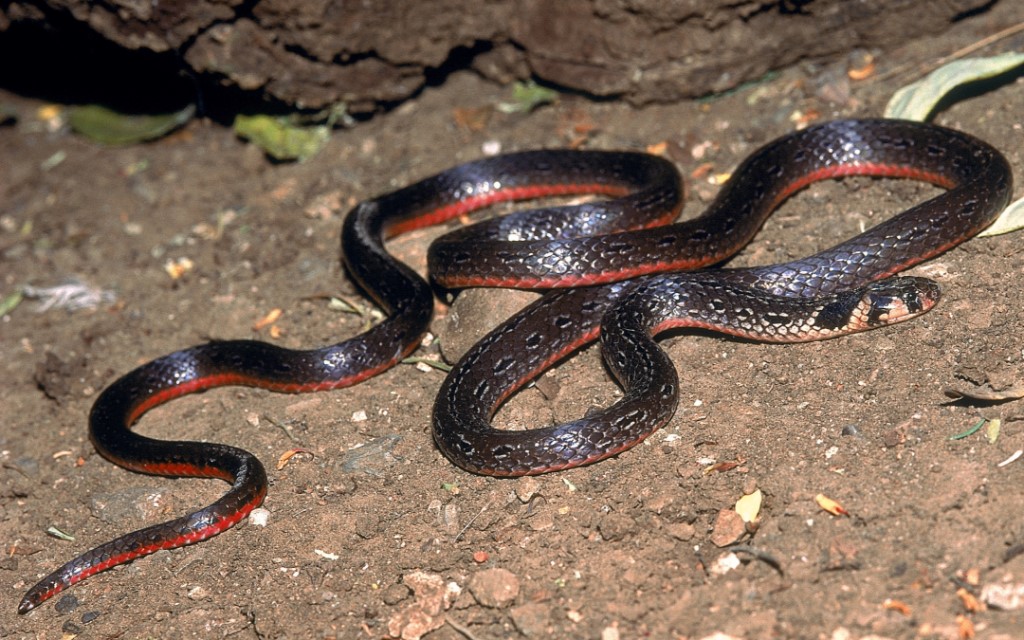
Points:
x=622 y=547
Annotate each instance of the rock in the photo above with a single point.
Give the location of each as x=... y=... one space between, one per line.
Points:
x=433 y=597
x=313 y=55
x=729 y=528
x=1005 y=597
x=532 y=619
x=614 y=527
x=495 y=588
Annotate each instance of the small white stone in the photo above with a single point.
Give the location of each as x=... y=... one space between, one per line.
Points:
x=259 y=517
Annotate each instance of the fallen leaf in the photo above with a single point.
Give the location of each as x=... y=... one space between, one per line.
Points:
x=1011 y=219
x=272 y=316
x=527 y=96
x=702 y=170
x=865 y=68
x=972 y=576
x=830 y=505
x=969 y=601
x=973 y=429
x=965 y=627
x=288 y=455
x=472 y=118
x=749 y=506
x=1013 y=458
x=986 y=392
x=722 y=467
x=992 y=431
x=179 y=267
x=60 y=535
x=897 y=605
x=658 y=148
x=110 y=127
x=10 y=302
x=917 y=100
x=280 y=139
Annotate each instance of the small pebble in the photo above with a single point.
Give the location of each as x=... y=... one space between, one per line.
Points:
x=395 y=593
x=728 y=529
x=527 y=487
x=614 y=527
x=495 y=588
x=70 y=629
x=1005 y=597
x=67 y=604
x=532 y=619
x=610 y=633
x=259 y=517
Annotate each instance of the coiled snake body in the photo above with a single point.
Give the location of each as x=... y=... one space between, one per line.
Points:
x=614 y=250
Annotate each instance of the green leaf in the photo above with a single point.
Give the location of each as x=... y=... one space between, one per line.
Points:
x=281 y=139
x=430 y=362
x=1011 y=219
x=970 y=432
x=110 y=127
x=527 y=96
x=916 y=101
x=10 y=302
x=60 y=535
x=992 y=430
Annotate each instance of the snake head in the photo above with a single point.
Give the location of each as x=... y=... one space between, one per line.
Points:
x=894 y=300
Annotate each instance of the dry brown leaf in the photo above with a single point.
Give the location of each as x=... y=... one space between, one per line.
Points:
x=749 y=506
x=472 y=118
x=970 y=601
x=965 y=627
x=658 y=148
x=830 y=505
x=268 y=319
x=865 y=68
x=986 y=392
x=899 y=606
x=282 y=461
x=722 y=467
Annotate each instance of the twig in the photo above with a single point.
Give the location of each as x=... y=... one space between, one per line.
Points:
x=460 y=628
x=473 y=519
x=959 y=53
x=763 y=556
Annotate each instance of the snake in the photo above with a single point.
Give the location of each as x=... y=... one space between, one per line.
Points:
x=622 y=270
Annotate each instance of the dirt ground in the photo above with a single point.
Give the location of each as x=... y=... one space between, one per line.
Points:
x=621 y=549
